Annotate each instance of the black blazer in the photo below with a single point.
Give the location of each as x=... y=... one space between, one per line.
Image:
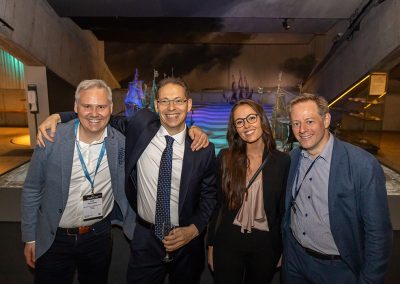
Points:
x=275 y=174
x=197 y=195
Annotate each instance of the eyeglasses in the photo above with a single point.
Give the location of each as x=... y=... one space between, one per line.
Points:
x=177 y=101
x=251 y=119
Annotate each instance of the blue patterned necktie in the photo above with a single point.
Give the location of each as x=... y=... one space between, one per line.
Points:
x=164 y=189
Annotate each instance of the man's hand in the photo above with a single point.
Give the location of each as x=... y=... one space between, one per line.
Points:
x=210 y=256
x=49 y=123
x=200 y=138
x=29 y=253
x=179 y=237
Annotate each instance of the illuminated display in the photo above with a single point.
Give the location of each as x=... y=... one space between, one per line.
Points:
x=11 y=72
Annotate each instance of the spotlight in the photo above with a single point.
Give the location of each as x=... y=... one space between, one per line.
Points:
x=285 y=24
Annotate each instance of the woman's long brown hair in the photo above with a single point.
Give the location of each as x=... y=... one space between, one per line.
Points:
x=235 y=161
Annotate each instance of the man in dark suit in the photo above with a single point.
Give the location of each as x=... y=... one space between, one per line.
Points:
x=192 y=196
x=336 y=227
x=74 y=190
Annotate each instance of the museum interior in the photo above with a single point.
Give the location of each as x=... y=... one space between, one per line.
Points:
x=347 y=51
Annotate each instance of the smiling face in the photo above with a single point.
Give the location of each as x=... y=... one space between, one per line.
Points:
x=94 y=111
x=172 y=116
x=309 y=127
x=249 y=132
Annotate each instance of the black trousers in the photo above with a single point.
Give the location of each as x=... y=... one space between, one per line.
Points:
x=145 y=265
x=89 y=254
x=244 y=257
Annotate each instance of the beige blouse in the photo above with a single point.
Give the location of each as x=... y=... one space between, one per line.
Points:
x=252 y=214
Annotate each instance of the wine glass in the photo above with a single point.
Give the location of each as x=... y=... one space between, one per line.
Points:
x=167 y=227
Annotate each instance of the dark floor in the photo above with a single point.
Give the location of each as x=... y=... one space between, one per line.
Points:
x=14 y=271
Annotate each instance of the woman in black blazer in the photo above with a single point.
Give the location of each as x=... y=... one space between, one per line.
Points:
x=244 y=239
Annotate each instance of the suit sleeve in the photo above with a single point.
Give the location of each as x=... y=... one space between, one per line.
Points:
x=207 y=201
x=66 y=116
x=120 y=123
x=32 y=193
x=376 y=222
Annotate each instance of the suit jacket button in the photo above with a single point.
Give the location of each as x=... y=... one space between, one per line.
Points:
x=59 y=211
x=52 y=233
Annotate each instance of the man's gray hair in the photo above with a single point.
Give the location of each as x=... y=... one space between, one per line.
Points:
x=321 y=102
x=90 y=84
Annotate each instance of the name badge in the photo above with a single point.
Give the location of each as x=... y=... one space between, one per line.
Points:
x=92 y=206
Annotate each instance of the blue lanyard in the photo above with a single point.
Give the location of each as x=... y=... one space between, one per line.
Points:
x=85 y=171
x=296 y=193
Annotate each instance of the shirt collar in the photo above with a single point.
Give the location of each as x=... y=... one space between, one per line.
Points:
x=326 y=153
x=101 y=140
x=179 y=137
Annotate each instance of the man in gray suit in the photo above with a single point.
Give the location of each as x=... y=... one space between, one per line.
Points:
x=74 y=190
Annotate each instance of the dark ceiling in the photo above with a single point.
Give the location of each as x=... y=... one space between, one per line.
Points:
x=174 y=20
x=207 y=8
x=207 y=30
x=195 y=30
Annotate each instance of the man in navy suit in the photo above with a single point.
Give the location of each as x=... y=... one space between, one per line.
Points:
x=193 y=192
x=193 y=189
x=336 y=227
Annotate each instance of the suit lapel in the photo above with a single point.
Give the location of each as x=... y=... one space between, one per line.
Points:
x=265 y=175
x=334 y=175
x=67 y=157
x=295 y=159
x=187 y=169
x=141 y=144
x=112 y=156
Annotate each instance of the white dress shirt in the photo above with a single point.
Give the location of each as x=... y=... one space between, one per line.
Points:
x=148 y=167
x=80 y=186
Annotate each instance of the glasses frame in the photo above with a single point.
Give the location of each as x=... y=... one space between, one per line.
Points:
x=246 y=119
x=167 y=102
